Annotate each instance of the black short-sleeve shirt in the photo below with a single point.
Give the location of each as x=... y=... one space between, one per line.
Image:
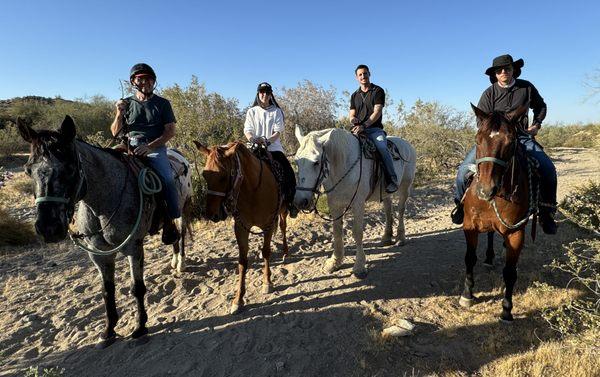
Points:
x=148 y=118
x=364 y=103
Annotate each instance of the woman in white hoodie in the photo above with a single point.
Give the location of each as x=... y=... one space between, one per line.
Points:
x=264 y=125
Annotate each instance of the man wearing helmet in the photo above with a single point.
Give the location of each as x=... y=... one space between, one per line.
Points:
x=148 y=121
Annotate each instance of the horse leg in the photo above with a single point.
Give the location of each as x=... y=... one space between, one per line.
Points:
x=138 y=289
x=466 y=299
x=359 y=269
x=335 y=261
x=283 y=228
x=403 y=193
x=266 y=254
x=106 y=267
x=489 y=252
x=178 y=258
x=241 y=235
x=514 y=244
x=386 y=240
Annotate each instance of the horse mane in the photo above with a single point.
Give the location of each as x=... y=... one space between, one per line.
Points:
x=339 y=139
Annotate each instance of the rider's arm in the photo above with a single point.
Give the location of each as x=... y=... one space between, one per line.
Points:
x=485 y=104
x=117 y=124
x=379 y=101
x=278 y=126
x=539 y=107
x=377 y=110
x=166 y=136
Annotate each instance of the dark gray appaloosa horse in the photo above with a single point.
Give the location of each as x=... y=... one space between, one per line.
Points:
x=114 y=213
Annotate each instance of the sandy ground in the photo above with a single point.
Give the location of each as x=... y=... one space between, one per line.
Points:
x=313 y=324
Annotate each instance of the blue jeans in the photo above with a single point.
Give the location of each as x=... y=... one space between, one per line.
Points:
x=546 y=170
x=378 y=136
x=159 y=161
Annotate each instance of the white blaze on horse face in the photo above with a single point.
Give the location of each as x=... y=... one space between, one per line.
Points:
x=494 y=133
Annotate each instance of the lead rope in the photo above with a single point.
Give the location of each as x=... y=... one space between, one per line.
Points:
x=148 y=184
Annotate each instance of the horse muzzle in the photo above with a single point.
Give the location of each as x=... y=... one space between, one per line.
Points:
x=303 y=202
x=51 y=223
x=486 y=193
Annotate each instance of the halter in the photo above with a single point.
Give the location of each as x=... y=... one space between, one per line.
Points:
x=231 y=195
x=79 y=193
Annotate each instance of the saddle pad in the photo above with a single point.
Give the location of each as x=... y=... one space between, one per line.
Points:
x=370 y=151
x=178 y=162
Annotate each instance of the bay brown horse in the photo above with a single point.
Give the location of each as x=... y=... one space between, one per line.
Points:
x=500 y=199
x=241 y=185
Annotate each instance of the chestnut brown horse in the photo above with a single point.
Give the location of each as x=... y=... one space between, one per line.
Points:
x=241 y=185
x=499 y=199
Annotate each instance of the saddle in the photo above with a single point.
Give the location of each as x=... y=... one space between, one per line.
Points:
x=370 y=151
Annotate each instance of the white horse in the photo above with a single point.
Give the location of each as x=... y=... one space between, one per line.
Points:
x=332 y=158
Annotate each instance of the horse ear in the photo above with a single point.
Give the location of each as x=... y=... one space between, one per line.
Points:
x=27 y=133
x=67 y=129
x=517 y=113
x=232 y=149
x=201 y=147
x=298 y=133
x=480 y=114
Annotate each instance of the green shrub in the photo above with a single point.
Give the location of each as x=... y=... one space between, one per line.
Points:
x=46 y=372
x=583 y=206
x=573 y=136
x=14 y=232
x=582 y=263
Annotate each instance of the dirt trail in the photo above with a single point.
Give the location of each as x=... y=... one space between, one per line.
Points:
x=313 y=324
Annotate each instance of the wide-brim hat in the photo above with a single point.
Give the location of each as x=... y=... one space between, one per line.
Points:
x=501 y=61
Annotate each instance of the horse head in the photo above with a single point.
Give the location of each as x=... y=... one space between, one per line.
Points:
x=311 y=167
x=54 y=167
x=496 y=146
x=220 y=175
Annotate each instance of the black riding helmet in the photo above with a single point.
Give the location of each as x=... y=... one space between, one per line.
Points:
x=140 y=69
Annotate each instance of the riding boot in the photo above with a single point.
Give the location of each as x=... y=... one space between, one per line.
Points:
x=458 y=213
x=391 y=184
x=170 y=233
x=547 y=220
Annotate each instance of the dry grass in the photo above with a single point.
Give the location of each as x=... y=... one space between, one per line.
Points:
x=14 y=232
x=549 y=359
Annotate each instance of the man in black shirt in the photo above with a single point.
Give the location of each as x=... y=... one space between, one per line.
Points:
x=366 y=107
x=506 y=94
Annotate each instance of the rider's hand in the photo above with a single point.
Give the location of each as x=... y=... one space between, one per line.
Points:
x=354 y=120
x=358 y=129
x=142 y=150
x=534 y=129
x=121 y=106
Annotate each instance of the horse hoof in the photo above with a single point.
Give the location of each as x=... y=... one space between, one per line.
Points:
x=104 y=343
x=235 y=308
x=465 y=302
x=331 y=266
x=181 y=266
x=139 y=332
x=360 y=274
x=506 y=318
x=267 y=288
x=386 y=242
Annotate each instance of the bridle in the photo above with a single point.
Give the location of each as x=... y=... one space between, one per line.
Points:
x=231 y=196
x=80 y=192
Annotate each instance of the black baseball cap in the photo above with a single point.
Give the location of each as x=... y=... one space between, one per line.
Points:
x=264 y=87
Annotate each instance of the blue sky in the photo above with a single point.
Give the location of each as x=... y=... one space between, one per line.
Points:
x=433 y=50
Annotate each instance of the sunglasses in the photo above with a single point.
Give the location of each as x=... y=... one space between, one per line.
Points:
x=505 y=69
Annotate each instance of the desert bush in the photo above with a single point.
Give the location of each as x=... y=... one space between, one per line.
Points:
x=11 y=142
x=582 y=205
x=441 y=135
x=45 y=372
x=581 y=315
x=309 y=105
x=14 y=232
x=573 y=136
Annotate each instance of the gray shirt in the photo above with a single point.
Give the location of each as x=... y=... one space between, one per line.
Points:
x=148 y=118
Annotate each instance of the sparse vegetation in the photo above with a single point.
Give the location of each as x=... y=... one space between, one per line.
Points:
x=45 y=372
x=582 y=206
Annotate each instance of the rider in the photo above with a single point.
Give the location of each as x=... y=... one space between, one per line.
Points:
x=506 y=94
x=264 y=125
x=366 y=107
x=149 y=124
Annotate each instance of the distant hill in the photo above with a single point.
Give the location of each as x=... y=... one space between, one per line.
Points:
x=7 y=105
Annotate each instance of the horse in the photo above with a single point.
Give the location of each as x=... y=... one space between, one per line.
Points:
x=330 y=157
x=239 y=184
x=500 y=199
x=67 y=171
